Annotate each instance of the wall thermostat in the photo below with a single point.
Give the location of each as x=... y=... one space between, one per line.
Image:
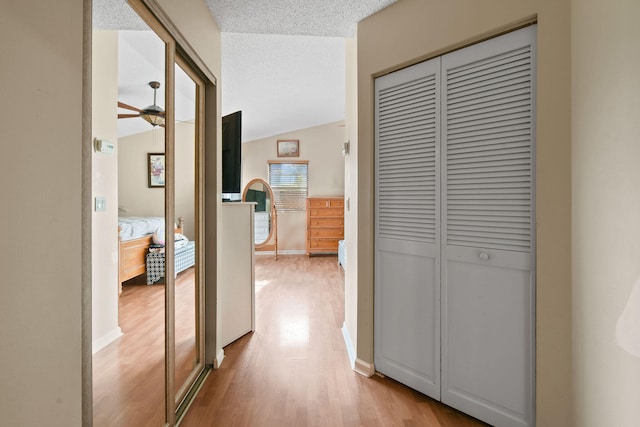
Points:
x=103 y=146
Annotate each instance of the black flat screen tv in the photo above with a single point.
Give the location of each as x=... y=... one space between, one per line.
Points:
x=232 y=153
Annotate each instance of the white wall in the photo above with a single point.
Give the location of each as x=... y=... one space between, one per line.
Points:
x=350 y=327
x=321 y=146
x=41 y=170
x=606 y=209
x=41 y=305
x=135 y=196
x=185 y=176
x=104 y=183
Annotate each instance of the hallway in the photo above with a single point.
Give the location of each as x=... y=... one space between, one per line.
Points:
x=294 y=369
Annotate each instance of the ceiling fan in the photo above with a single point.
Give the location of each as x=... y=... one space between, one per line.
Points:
x=152 y=114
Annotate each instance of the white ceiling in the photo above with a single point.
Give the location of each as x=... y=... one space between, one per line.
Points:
x=282 y=83
x=282 y=61
x=141 y=60
x=332 y=18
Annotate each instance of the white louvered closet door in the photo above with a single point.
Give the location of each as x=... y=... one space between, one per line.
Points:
x=454 y=231
x=488 y=126
x=407 y=290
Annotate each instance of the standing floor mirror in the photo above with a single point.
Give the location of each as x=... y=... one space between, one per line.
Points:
x=259 y=192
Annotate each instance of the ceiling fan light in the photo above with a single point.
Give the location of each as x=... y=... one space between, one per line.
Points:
x=153 y=114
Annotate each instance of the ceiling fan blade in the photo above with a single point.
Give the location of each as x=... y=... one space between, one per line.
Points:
x=128 y=107
x=127 y=116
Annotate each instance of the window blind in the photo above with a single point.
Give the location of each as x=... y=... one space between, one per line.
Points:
x=290 y=185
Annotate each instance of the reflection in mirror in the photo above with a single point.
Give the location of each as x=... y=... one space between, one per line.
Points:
x=259 y=192
x=128 y=367
x=186 y=282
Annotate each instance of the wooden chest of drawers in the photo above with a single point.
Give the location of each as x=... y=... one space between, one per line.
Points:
x=325 y=224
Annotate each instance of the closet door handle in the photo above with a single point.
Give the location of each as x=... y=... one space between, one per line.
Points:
x=484 y=256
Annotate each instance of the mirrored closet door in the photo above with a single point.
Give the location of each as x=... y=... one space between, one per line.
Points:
x=188 y=286
x=129 y=313
x=146 y=374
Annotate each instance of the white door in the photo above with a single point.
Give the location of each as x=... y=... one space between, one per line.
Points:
x=407 y=292
x=475 y=272
x=488 y=229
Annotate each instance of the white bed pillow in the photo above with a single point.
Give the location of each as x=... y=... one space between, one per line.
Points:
x=158 y=236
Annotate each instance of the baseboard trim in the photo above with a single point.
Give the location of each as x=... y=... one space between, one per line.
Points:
x=350 y=350
x=364 y=368
x=361 y=367
x=287 y=252
x=219 y=359
x=105 y=340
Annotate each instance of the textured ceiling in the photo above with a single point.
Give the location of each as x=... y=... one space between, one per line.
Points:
x=282 y=83
x=282 y=60
x=333 y=18
x=115 y=15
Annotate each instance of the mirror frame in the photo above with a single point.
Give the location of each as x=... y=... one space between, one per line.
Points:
x=273 y=231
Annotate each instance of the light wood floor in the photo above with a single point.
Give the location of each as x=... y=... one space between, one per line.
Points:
x=128 y=374
x=294 y=370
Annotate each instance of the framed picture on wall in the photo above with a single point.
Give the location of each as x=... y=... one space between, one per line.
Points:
x=155 y=166
x=288 y=148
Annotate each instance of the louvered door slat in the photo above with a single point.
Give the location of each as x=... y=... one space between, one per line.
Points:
x=406 y=151
x=493 y=108
x=414 y=89
x=516 y=94
x=493 y=145
x=489 y=65
x=490 y=144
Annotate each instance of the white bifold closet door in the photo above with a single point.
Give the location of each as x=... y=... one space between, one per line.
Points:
x=470 y=289
x=407 y=299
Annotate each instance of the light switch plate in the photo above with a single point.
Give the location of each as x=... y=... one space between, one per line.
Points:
x=100 y=204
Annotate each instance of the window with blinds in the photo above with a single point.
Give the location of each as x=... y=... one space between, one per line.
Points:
x=290 y=184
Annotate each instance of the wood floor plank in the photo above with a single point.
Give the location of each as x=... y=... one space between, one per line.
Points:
x=294 y=370
x=128 y=374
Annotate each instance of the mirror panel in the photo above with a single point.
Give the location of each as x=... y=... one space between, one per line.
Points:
x=259 y=192
x=261 y=196
x=145 y=376
x=186 y=282
x=189 y=311
x=128 y=372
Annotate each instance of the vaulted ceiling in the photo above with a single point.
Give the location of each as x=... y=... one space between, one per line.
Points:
x=282 y=60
